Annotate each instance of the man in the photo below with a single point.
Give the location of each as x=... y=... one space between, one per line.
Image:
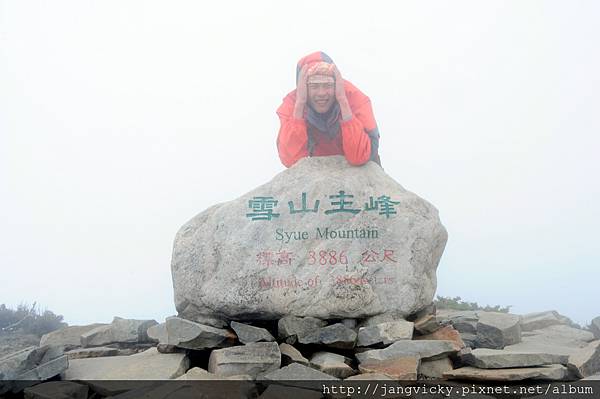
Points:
x=326 y=115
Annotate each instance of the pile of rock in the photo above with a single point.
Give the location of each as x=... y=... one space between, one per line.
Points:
x=427 y=345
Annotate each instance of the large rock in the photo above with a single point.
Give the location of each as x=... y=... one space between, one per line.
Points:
x=399 y=368
x=68 y=337
x=538 y=320
x=147 y=365
x=120 y=330
x=586 y=361
x=497 y=359
x=30 y=366
x=297 y=372
x=423 y=349
x=302 y=329
x=595 y=327
x=248 y=334
x=370 y=247
x=385 y=333
x=332 y=364
x=252 y=359
x=190 y=335
x=495 y=330
x=556 y=339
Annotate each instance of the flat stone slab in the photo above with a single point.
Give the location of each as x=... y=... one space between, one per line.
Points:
x=445 y=333
x=289 y=355
x=199 y=374
x=252 y=359
x=337 y=336
x=555 y=372
x=367 y=247
x=368 y=377
x=30 y=366
x=190 y=335
x=84 y=353
x=423 y=349
x=385 y=333
x=495 y=330
x=538 y=320
x=401 y=368
x=496 y=359
x=68 y=337
x=435 y=369
x=586 y=361
x=300 y=329
x=120 y=330
x=147 y=365
x=248 y=334
x=332 y=364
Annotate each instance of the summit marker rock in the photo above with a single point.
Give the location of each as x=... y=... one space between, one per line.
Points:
x=322 y=239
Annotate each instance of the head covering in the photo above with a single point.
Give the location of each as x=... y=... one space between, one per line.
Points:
x=320 y=64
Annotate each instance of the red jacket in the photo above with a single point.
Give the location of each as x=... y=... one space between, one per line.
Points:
x=358 y=140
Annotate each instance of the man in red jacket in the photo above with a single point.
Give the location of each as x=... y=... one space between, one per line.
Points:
x=326 y=115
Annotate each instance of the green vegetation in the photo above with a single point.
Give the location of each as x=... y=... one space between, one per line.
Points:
x=456 y=303
x=29 y=320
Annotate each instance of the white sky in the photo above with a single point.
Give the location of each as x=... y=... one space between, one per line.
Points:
x=120 y=120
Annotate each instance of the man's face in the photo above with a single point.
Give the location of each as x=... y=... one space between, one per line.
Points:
x=321 y=93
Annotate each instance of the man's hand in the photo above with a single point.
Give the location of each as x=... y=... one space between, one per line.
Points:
x=340 y=93
x=301 y=93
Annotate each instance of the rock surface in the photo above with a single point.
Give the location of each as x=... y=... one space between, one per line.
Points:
x=147 y=365
x=120 y=330
x=496 y=330
x=385 y=333
x=68 y=337
x=423 y=349
x=496 y=359
x=257 y=257
x=57 y=390
x=398 y=368
x=252 y=359
x=332 y=364
x=248 y=334
x=30 y=366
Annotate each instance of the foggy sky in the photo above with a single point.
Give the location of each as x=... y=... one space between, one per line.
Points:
x=121 y=120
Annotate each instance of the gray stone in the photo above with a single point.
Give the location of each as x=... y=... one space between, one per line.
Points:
x=586 y=361
x=120 y=330
x=398 y=368
x=57 y=390
x=385 y=333
x=464 y=321
x=555 y=339
x=495 y=330
x=302 y=329
x=158 y=333
x=337 y=336
x=297 y=372
x=84 y=353
x=435 y=369
x=248 y=334
x=147 y=365
x=554 y=372
x=595 y=327
x=190 y=335
x=425 y=349
x=68 y=337
x=33 y=363
x=216 y=270
x=386 y=317
x=538 y=320
x=252 y=359
x=498 y=359
x=289 y=355
x=332 y=364
x=427 y=324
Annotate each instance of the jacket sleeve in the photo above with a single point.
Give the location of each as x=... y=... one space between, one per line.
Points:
x=292 y=141
x=356 y=142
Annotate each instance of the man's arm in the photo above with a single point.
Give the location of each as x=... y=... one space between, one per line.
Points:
x=355 y=140
x=292 y=140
